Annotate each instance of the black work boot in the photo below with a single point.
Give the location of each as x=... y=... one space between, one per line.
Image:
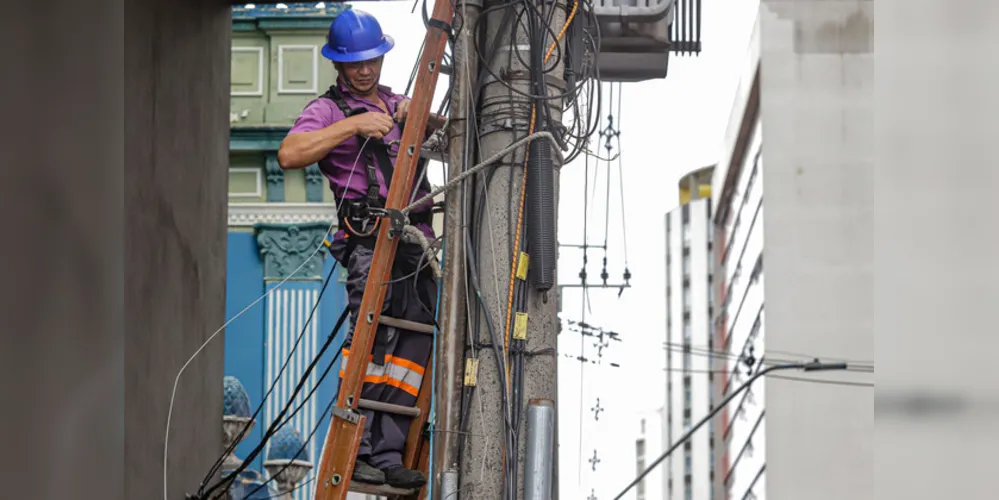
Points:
x=401 y=477
x=365 y=473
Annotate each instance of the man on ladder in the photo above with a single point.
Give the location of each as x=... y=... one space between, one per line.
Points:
x=353 y=132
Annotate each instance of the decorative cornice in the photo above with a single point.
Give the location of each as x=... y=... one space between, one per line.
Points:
x=299 y=16
x=252 y=214
x=288 y=9
x=257 y=137
x=287 y=247
x=244 y=25
x=317 y=26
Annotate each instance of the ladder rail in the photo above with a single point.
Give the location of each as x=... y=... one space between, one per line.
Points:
x=346 y=426
x=417 y=451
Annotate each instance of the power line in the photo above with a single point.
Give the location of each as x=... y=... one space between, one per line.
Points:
x=823 y=381
x=696 y=350
x=808 y=367
x=279 y=421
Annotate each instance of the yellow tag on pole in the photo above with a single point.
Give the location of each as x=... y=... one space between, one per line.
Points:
x=522 y=264
x=471 y=371
x=520 y=326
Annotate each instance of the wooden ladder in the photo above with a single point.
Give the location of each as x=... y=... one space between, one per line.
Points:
x=347 y=425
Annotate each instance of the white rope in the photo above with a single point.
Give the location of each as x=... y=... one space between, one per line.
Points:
x=492 y=159
x=410 y=234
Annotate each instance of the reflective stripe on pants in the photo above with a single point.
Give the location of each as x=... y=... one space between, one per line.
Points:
x=396 y=372
x=407 y=353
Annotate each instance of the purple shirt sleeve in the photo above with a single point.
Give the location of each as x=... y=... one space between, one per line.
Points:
x=316 y=115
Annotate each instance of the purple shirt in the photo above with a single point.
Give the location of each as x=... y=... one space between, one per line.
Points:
x=320 y=113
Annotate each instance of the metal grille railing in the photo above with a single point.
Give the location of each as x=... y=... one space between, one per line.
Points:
x=686 y=28
x=684 y=25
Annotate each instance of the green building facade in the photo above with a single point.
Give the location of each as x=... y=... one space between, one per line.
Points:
x=276 y=69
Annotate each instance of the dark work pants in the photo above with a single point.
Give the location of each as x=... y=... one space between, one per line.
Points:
x=407 y=353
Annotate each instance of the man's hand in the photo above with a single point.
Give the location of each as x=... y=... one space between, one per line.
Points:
x=434 y=121
x=371 y=124
x=402 y=110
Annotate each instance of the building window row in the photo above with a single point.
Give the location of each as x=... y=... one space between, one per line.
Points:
x=735 y=276
x=731 y=242
x=731 y=328
x=752 y=175
x=747 y=448
x=754 y=276
x=743 y=242
x=747 y=398
x=750 y=494
x=640 y=465
x=740 y=197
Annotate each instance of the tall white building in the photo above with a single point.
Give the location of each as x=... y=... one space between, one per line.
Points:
x=649 y=442
x=688 y=339
x=739 y=322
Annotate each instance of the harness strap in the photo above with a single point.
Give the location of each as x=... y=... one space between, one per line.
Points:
x=373 y=185
x=378 y=150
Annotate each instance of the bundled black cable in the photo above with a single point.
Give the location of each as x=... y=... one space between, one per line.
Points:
x=242 y=433
x=277 y=424
x=326 y=411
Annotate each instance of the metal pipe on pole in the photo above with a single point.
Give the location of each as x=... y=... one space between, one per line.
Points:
x=449 y=485
x=539 y=462
x=451 y=341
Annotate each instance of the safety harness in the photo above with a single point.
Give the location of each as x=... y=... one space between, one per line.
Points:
x=355 y=213
x=378 y=152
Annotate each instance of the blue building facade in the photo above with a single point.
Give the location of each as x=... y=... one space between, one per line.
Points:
x=277 y=221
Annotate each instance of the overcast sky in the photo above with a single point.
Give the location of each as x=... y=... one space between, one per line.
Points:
x=668 y=128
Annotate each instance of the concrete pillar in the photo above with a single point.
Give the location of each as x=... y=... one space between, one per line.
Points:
x=176 y=157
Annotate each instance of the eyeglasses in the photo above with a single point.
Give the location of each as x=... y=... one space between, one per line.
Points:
x=374 y=63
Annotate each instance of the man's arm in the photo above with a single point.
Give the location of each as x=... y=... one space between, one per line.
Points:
x=317 y=132
x=299 y=150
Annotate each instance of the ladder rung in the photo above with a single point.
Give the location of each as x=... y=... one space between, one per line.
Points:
x=368 y=404
x=406 y=324
x=379 y=489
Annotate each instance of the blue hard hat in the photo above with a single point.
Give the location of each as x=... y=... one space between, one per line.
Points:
x=356 y=36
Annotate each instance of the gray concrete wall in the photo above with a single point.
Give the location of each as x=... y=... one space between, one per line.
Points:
x=176 y=156
x=818 y=168
x=937 y=239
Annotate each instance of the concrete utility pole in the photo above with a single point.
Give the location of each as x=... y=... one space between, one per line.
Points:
x=504 y=116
